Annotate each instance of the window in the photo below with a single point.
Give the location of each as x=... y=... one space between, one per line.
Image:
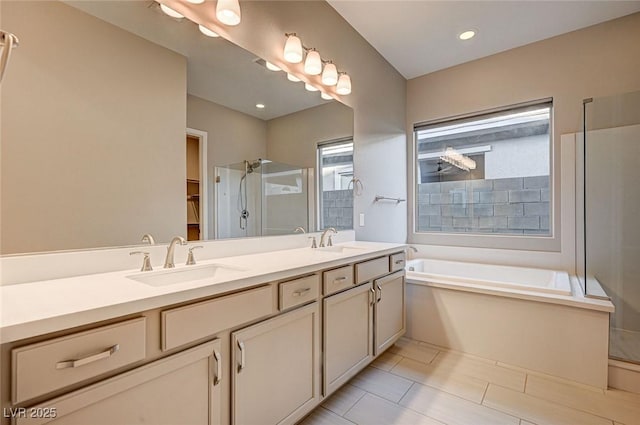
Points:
x=488 y=174
x=335 y=194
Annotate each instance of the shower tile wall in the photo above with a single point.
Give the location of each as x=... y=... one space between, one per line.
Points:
x=337 y=209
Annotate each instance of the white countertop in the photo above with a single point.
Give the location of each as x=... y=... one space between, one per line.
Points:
x=36 y=308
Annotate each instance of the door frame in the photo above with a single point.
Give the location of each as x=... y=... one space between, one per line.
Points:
x=204 y=181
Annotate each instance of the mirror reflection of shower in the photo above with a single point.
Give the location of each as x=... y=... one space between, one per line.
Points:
x=249 y=167
x=261 y=197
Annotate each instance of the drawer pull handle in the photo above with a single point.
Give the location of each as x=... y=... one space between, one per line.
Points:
x=373 y=297
x=380 y=290
x=399 y=261
x=218 y=377
x=89 y=359
x=300 y=292
x=340 y=279
x=242 y=359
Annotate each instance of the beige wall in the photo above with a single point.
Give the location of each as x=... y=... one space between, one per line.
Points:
x=595 y=61
x=93 y=142
x=378 y=97
x=232 y=137
x=293 y=139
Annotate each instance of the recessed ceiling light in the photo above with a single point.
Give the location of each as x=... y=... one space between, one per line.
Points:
x=260 y=105
x=467 y=35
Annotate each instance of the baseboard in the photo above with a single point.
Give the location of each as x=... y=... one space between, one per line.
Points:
x=624 y=376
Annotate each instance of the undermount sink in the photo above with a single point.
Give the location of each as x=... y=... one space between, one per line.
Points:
x=341 y=249
x=185 y=274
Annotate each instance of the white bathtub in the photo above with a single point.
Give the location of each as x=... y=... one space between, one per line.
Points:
x=533 y=318
x=487 y=275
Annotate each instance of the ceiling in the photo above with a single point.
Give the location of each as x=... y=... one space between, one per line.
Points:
x=419 y=37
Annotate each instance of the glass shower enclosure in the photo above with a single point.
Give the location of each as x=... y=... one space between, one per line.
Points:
x=611 y=195
x=261 y=198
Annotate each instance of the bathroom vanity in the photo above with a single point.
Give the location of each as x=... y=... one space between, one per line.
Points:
x=262 y=342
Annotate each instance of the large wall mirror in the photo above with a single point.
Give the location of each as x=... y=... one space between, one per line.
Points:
x=119 y=121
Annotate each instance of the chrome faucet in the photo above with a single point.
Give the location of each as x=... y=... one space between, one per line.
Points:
x=168 y=262
x=327 y=230
x=148 y=238
x=299 y=229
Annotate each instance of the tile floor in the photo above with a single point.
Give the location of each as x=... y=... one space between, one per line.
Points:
x=418 y=384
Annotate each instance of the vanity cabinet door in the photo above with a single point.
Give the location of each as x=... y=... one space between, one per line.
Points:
x=181 y=389
x=348 y=335
x=276 y=368
x=389 y=311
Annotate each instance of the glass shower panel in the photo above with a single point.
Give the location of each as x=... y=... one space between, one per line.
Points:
x=612 y=214
x=284 y=199
x=238 y=201
x=260 y=198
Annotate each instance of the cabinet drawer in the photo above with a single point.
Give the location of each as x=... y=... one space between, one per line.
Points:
x=298 y=292
x=371 y=269
x=189 y=323
x=47 y=366
x=396 y=262
x=337 y=279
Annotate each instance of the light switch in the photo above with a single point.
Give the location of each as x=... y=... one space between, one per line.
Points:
x=361 y=219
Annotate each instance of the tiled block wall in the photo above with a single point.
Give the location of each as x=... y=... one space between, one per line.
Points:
x=515 y=206
x=337 y=209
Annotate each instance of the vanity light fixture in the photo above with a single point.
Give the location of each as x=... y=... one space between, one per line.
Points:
x=330 y=74
x=344 y=84
x=271 y=67
x=167 y=10
x=293 y=48
x=313 y=62
x=326 y=96
x=228 y=12
x=293 y=78
x=206 y=31
x=260 y=105
x=467 y=35
x=309 y=87
x=294 y=52
x=457 y=159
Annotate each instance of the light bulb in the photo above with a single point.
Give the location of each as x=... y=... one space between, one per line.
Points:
x=467 y=35
x=313 y=63
x=271 y=67
x=293 y=49
x=170 y=12
x=344 y=85
x=310 y=87
x=326 y=96
x=330 y=75
x=196 y=1
x=228 y=12
x=206 y=31
x=260 y=105
x=293 y=78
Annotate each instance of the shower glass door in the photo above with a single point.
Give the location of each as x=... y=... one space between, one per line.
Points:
x=612 y=214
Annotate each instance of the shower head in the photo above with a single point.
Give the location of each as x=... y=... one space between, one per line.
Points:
x=252 y=165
